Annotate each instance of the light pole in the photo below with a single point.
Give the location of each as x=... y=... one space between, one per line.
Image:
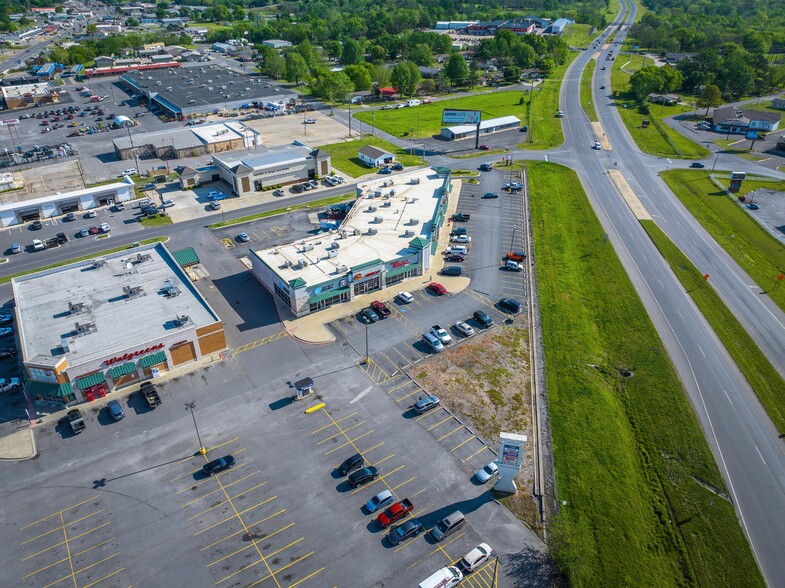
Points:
x=133 y=149
x=367 y=358
x=190 y=406
x=716 y=157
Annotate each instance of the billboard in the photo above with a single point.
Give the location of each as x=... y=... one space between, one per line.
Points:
x=752 y=135
x=451 y=116
x=9 y=121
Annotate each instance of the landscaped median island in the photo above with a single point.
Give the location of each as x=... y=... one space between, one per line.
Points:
x=645 y=502
x=344 y=155
x=587 y=102
x=314 y=204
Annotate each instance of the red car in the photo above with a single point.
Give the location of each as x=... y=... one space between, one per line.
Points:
x=94 y=230
x=484 y=148
x=395 y=513
x=455 y=257
x=380 y=308
x=437 y=289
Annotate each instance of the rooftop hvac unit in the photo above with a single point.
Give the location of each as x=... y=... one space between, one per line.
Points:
x=392 y=193
x=336 y=245
x=357 y=232
x=344 y=234
x=371 y=209
x=99 y=263
x=386 y=204
x=182 y=320
x=341 y=269
x=303 y=262
x=414 y=221
x=64 y=344
x=372 y=231
x=288 y=263
x=378 y=219
x=133 y=291
x=142 y=257
x=170 y=290
x=308 y=247
x=331 y=254
x=84 y=328
x=77 y=307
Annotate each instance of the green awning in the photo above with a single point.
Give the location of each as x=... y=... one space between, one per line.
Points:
x=51 y=390
x=122 y=370
x=153 y=359
x=402 y=269
x=297 y=283
x=91 y=380
x=325 y=295
x=185 y=257
x=366 y=264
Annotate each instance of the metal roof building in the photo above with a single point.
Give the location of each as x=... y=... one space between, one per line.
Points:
x=202 y=89
x=493 y=125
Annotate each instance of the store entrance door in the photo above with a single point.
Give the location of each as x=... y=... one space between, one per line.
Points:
x=371 y=285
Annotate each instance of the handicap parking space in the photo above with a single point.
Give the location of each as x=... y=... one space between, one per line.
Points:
x=73 y=544
x=239 y=522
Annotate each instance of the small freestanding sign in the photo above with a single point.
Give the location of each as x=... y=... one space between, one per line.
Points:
x=509 y=461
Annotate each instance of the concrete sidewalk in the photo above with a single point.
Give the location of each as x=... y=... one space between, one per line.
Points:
x=18 y=446
x=313 y=327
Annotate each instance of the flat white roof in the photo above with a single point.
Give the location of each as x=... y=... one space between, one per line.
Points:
x=32 y=203
x=41 y=89
x=121 y=322
x=391 y=217
x=486 y=124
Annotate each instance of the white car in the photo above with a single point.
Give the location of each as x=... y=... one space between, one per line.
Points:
x=310 y=121
x=461 y=239
x=441 y=335
x=476 y=557
x=405 y=297
x=596 y=145
x=464 y=329
x=487 y=472
x=38 y=245
x=129 y=172
x=11 y=384
x=105 y=228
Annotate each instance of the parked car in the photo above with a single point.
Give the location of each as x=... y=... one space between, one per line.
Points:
x=437 y=289
x=487 y=472
x=380 y=308
x=16 y=248
x=6 y=352
x=432 y=342
x=384 y=170
x=115 y=410
x=94 y=230
x=363 y=476
x=243 y=238
x=510 y=305
x=484 y=148
x=310 y=121
x=129 y=172
x=351 y=464
x=36 y=225
x=451 y=270
x=516 y=255
x=38 y=245
x=425 y=404
x=447 y=526
x=697 y=164
x=476 y=557
x=218 y=465
x=6 y=318
x=104 y=227
x=464 y=329
x=461 y=217
x=461 y=239
x=216 y=195
x=368 y=316
x=61 y=238
x=481 y=317
x=278 y=192
x=6 y=385
x=149 y=186
x=513 y=266
x=458 y=231
x=84 y=232
x=119 y=206
x=405 y=297
x=455 y=257
x=90 y=214
x=382 y=500
x=397 y=167
x=215 y=205
x=407 y=530
x=490 y=195
x=753 y=206
x=6 y=331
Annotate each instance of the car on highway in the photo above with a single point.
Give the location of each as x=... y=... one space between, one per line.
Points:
x=602 y=87
x=16 y=248
x=484 y=148
x=405 y=297
x=596 y=146
x=243 y=238
x=437 y=289
x=425 y=404
x=490 y=195
x=368 y=316
x=697 y=164
x=407 y=530
x=6 y=385
x=6 y=331
x=602 y=68
x=218 y=465
x=382 y=500
x=483 y=319
x=38 y=245
x=486 y=167
x=384 y=170
x=363 y=476
x=464 y=329
x=115 y=410
x=487 y=472
x=475 y=558
x=560 y=114
x=351 y=463
x=510 y=305
x=461 y=239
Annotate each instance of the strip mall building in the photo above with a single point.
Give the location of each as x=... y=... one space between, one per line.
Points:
x=88 y=328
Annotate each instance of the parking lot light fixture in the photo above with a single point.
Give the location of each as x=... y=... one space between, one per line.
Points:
x=190 y=406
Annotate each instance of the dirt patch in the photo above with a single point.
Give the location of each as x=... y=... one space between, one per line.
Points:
x=45 y=180
x=485 y=382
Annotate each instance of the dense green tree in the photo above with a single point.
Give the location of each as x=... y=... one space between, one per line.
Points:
x=333 y=49
x=333 y=86
x=512 y=74
x=455 y=70
x=406 y=77
x=270 y=63
x=645 y=81
x=421 y=54
x=296 y=69
x=353 y=52
x=380 y=75
x=377 y=53
x=360 y=74
x=711 y=97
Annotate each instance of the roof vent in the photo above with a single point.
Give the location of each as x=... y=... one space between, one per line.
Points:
x=378 y=219
x=142 y=257
x=134 y=291
x=372 y=231
x=182 y=320
x=414 y=221
x=77 y=307
x=409 y=234
x=170 y=290
x=84 y=328
x=99 y=263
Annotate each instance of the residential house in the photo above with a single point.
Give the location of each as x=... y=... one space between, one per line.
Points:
x=375 y=157
x=666 y=99
x=778 y=103
x=104 y=61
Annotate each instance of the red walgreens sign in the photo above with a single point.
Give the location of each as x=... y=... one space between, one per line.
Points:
x=135 y=354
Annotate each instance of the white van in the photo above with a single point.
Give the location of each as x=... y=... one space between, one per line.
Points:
x=413 y=102
x=457 y=249
x=444 y=578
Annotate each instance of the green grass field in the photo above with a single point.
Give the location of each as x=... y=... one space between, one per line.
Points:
x=344 y=155
x=426 y=120
x=628 y=451
x=586 y=96
x=579 y=35
x=757 y=369
x=657 y=138
x=545 y=131
x=759 y=254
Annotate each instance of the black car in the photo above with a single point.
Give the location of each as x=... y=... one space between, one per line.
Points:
x=490 y=195
x=61 y=238
x=455 y=257
x=486 y=167
x=697 y=164
x=363 y=476
x=36 y=225
x=368 y=316
x=510 y=305
x=451 y=270
x=461 y=217
x=351 y=464
x=410 y=528
x=482 y=318
x=458 y=231
x=7 y=352
x=218 y=465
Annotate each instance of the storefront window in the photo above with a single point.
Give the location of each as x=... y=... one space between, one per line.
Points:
x=368 y=286
x=283 y=295
x=42 y=375
x=342 y=297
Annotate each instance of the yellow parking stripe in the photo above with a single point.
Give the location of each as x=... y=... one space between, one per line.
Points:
x=473 y=454
x=225 y=557
x=39 y=536
x=462 y=443
x=222 y=502
x=458 y=428
x=326 y=439
x=409 y=394
x=377 y=446
x=223 y=444
x=381 y=461
x=51 y=565
x=350 y=441
x=333 y=423
x=379 y=479
x=399 y=386
x=308 y=577
x=93 y=547
x=99 y=580
x=236 y=515
x=404 y=483
x=279 y=570
x=449 y=416
x=92 y=514
x=251 y=526
x=190 y=502
x=406 y=359
x=57 y=513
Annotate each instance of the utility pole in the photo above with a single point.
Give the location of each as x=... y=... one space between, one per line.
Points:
x=367 y=358
x=190 y=406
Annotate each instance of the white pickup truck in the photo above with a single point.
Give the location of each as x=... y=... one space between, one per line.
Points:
x=441 y=334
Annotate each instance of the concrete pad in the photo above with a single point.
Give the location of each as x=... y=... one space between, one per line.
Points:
x=630 y=197
x=600 y=134
x=46 y=180
x=282 y=130
x=18 y=446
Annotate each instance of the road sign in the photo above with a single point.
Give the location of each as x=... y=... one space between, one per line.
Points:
x=452 y=116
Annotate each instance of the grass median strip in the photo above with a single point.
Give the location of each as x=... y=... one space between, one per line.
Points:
x=644 y=498
x=586 y=96
x=315 y=204
x=758 y=253
x=760 y=374
x=7 y=279
x=344 y=155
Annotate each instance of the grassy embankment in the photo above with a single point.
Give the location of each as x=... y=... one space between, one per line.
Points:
x=587 y=103
x=344 y=155
x=657 y=138
x=628 y=451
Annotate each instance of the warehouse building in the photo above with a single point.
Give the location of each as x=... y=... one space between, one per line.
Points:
x=90 y=327
x=257 y=171
x=187 y=142
x=389 y=235
x=494 y=125
x=202 y=89
x=29 y=95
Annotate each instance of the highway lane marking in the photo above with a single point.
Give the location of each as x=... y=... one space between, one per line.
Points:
x=760 y=455
x=701 y=350
x=728 y=397
x=54 y=514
